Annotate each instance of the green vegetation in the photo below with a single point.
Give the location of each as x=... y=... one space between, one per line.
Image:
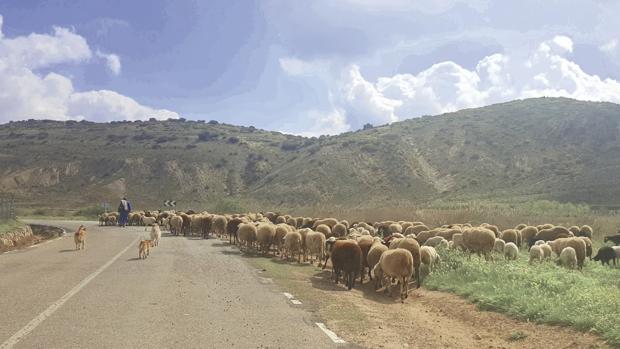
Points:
x=527 y=156
x=9 y=225
x=545 y=293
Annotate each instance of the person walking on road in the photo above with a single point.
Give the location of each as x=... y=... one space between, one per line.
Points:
x=123 y=211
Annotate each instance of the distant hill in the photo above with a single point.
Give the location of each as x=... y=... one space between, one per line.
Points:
x=545 y=148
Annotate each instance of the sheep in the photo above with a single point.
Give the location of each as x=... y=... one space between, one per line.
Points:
x=550 y=235
x=412 y=246
x=365 y=243
x=346 y=256
x=247 y=235
x=325 y=229
x=574 y=229
x=315 y=242
x=457 y=241
x=479 y=240
x=521 y=226
x=398 y=264
x=148 y=221
x=281 y=231
x=546 y=250
x=416 y=229
x=339 y=230
x=527 y=233
x=429 y=257
x=219 y=225
x=577 y=244
x=568 y=258
x=449 y=233
x=588 y=245
x=395 y=228
x=492 y=228
x=155 y=234
x=304 y=247
x=422 y=236
x=511 y=251
x=280 y=220
x=536 y=254
x=615 y=239
x=265 y=233
x=231 y=230
x=434 y=241
x=605 y=254
x=374 y=254
x=586 y=231
x=511 y=235
x=498 y=246
x=330 y=222
x=292 y=245
x=176 y=224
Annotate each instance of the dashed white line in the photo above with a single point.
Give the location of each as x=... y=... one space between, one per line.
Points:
x=330 y=333
x=19 y=335
x=288 y=295
x=295 y=301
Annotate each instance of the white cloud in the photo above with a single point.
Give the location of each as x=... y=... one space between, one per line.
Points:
x=113 y=62
x=27 y=93
x=544 y=70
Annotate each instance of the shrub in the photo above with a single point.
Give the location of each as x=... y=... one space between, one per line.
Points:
x=207 y=136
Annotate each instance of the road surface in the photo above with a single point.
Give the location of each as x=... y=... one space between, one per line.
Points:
x=190 y=293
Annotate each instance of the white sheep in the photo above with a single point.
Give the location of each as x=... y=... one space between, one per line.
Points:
x=434 y=241
x=511 y=251
x=148 y=221
x=429 y=257
x=315 y=242
x=536 y=254
x=546 y=250
x=498 y=246
x=395 y=264
x=568 y=258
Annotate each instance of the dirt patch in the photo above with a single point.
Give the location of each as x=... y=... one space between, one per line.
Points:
x=428 y=319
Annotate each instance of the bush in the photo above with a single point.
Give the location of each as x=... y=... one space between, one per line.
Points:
x=207 y=136
x=233 y=140
x=228 y=205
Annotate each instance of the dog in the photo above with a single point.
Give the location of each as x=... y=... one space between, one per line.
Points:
x=144 y=248
x=80 y=238
x=155 y=234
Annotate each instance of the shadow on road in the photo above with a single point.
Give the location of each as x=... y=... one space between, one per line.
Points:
x=71 y=250
x=133 y=259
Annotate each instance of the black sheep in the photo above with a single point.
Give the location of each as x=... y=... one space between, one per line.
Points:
x=605 y=254
x=613 y=238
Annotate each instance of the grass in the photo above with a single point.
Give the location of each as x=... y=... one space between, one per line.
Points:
x=587 y=300
x=9 y=225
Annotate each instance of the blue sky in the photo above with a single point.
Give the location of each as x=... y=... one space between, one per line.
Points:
x=304 y=67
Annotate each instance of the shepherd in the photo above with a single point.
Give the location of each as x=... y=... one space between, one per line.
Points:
x=123 y=211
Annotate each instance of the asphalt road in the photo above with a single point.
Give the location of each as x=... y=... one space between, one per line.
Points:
x=190 y=293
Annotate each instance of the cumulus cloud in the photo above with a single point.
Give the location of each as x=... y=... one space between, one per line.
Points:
x=26 y=92
x=545 y=70
x=113 y=62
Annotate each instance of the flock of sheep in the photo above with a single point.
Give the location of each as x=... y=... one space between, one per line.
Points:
x=392 y=252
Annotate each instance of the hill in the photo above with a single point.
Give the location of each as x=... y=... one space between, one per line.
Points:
x=544 y=148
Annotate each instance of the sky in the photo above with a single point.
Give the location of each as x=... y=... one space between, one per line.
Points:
x=301 y=67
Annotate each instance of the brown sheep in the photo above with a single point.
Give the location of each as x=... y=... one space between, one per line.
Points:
x=397 y=264
x=412 y=246
x=265 y=233
x=325 y=229
x=527 y=233
x=576 y=243
x=416 y=229
x=372 y=259
x=457 y=241
x=339 y=230
x=281 y=231
x=292 y=245
x=422 y=236
x=588 y=246
x=315 y=243
x=510 y=235
x=365 y=242
x=520 y=226
x=574 y=229
x=586 y=231
x=449 y=233
x=231 y=229
x=346 y=256
x=247 y=235
x=219 y=225
x=479 y=240
x=550 y=235
x=330 y=222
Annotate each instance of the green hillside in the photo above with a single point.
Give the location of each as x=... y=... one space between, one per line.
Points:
x=545 y=148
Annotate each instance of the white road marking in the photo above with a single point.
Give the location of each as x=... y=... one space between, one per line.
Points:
x=288 y=295
x=19 y=335
x=295 y=301
x=329 y=333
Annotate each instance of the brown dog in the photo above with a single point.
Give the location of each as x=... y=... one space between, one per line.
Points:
x=144 y=248
x=80 y=238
